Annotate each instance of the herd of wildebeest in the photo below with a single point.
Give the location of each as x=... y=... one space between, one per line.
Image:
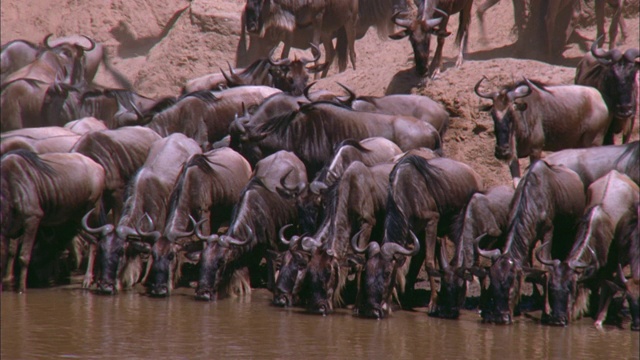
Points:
x=253 y=178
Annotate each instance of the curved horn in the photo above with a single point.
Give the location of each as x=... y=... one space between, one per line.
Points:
x=390 y=249
x=174 y=235
x=45 y=41
x=518 y=93
x=577 y=264
x=233 y=72
x=91 y=41
x=123 y=231
x=153 y=234
x=431 y=23
x=315 y=50
x=621 y=274
x=599 y=53
x=351 y=93
x=354 y=243
x=233 y=241
x=277 y=62
x=201 y=236
x=229 y=79
x=305 y=92
x=281 y=234
x=442 y=12
x=485 y=95
x=489 y=254
x=632 y=54
x=318 y=187
x=104 y=230
x=405 y=23
x=554 y=262
x=310 y=244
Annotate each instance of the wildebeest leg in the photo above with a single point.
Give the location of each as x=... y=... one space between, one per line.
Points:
x=9 y=257
x=465 y=21
x=627 y=130
x=330 y=54
x=88 y=275
x=613 y=27
x=436 y=63
x=430 y=239
x=415 y=264
x=482 y=8
x=519 y=15
x=606 y=294
x=317 y=33
x=553 y=9
x=350 y=29
x=514 y=168
x=286 y=47
x=27 y=239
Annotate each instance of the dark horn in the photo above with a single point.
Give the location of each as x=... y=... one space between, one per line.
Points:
x=632 y=54
x=45 y=41
x=123 y=231
x=277 y=62
x=405 y=23
x=153 y=234
x=174 y=235
x=305 y=92
x=354 y=243
x=390 y=249
x=91 y=41
x=310 y=244
x=442 y=12
x=554 y=262
x=105 y=229
x=485 y=95
x=315 y=50
x=200 y=235
x=281 y=234
x=233 y=241
x=351 y=93
x=489 y=254
x=599 y=53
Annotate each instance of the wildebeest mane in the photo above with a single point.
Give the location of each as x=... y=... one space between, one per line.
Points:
x=203 y=95
x=160 y=106
x=516 y=84
x=254 y=68
x=90 y=94
x=599 y=233
x=632 y=155
x=331 y=207
x=33 y=159
x=198 y=160
x=532 y=197
x=322 y=174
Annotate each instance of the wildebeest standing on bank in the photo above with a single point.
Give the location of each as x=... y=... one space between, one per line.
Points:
x=423 y=197
x=427 y=23
x=323 y=16
x=614 y=75
x=594 y=163
x=485 y=219
x=121 y=152
x=529 y=117
x=119 y=266
x=610 y=198
x=49 y=190
x=259 y=214
x=546 y=206
x=625 y=250
x=205 y=116
x=312 y=132
x=38 y=140
x=208 y=187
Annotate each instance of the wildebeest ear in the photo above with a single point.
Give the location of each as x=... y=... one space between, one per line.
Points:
x=486 y=107
x=520 y=106
x=193 y=256
x=140 y=246
x=400 y=34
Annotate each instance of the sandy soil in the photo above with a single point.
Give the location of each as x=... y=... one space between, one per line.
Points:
x=160 y=44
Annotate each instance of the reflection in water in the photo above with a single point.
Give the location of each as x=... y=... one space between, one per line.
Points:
x=78 y=324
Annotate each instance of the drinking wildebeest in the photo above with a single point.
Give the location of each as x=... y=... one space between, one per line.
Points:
x=546 y=206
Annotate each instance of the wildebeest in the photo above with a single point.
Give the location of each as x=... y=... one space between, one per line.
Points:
x=259 y=214
x=324 y=17
x=21 y=103
x=16 y=54
x=423 y=197
x=418 y=106
x=546 y=206
x=420 y=29
x=290 y=76
x=208 y=187
x=614 y=75
x=313 y=130
x=121 y=152
x=519 y=14
x=623 y=251
x=117 y=107
x=485 y=217
x=355 y=205
x=616 y=20
x=610 y=198
x=594 y=163
x=38 y=140
x=48 y=190
x=530 y=117
x=85 y=125
x=205 y=116
x=118 y=266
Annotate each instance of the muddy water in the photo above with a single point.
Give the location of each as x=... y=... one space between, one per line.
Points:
x=70 y=323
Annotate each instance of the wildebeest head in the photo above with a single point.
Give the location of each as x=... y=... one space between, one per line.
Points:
x=292 y=269
x=291 y=76
x=620 y=78
x=112 y=247
x=504 y=288
x=562 y=287
x=453 y=287
x=71 y=57
x=419 y=32
x=506 y=109
x=215 y=257
x=253 y=16
x=378 y=277
x=166 y=260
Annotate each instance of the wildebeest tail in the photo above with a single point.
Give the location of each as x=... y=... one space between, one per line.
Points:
x=434 y=179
